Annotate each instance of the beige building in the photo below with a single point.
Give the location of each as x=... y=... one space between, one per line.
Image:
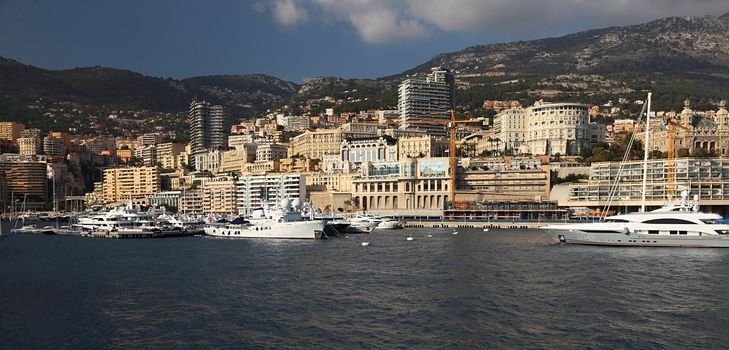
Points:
x=422 y=146
x=323 y=182
x=191 y=202
x=414 y=186
x=337 y=202
x=29 y=146
x=271 y=151
x=708 y=133
x=315 y=144
x=168 y=154
x=219 y=195
x=499 y=184
x=136 y=183
x=299 y=165
x=125 y=154
x=10 y=131
x=260 y=168
x=234 y=160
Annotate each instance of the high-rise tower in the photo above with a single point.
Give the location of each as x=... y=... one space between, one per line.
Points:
x=428 y=98
x=206 y=128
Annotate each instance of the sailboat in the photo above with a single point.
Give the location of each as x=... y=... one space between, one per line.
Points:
x=681 y=225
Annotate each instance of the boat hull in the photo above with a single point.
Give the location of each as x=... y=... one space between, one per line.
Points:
x=571 y=236
x=362 y=226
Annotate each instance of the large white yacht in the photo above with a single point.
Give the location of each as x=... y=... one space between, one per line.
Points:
x=681 y=225
x=121 y=217
x=670 y=226
x=287 y=222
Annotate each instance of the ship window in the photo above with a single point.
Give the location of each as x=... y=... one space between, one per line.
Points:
x=668 y=221
x=708 y=221
x=674 y=232
x=616 y=220
x=681 y=232
x=601 y=231
x=655 y=232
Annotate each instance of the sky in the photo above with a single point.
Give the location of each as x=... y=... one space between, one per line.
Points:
x=296 y=40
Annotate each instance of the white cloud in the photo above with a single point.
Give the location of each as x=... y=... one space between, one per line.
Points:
x=387 y=21
x=289 y=12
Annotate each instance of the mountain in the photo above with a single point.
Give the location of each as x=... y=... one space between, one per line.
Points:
x=673 y=56
x=675 y=44
x=253 y=92
x=28 y=94
x=676 y=57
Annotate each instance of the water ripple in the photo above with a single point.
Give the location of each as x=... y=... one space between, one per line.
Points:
x=501 y=289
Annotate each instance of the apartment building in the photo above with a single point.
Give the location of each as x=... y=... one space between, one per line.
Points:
x=119 y=185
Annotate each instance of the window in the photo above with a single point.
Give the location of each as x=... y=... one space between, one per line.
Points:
x=669 y=221
x=655 y=232
x=616 y=220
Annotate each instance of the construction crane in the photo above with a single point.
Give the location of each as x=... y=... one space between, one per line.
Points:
x=451 y=124
x=671 y=158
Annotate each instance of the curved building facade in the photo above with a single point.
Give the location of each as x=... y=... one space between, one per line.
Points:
x=553 y=128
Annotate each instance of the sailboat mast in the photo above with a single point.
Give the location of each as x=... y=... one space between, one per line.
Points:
x=55 y=202
x=645 y=153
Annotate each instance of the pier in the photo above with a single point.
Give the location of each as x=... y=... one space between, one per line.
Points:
x=138 y=234
x=480 y=224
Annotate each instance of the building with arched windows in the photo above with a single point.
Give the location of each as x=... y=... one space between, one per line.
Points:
x=413 y=186
x=547 y=128
x=707 y=132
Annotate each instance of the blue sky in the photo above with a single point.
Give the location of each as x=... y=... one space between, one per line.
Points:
x=295 y=39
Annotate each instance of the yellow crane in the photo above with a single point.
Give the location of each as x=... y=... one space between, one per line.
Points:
x=451 y=123
x=671 y=156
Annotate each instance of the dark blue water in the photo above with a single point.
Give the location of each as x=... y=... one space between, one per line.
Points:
x=501 y=289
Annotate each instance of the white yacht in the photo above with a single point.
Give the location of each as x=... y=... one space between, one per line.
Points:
x=389 y=224
x=285 y=223
x=122 y=217
x=670 y=226
x=363 y=223
x=48 y=230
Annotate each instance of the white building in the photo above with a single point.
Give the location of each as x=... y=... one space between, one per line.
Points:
x=208 y=161
x=268 y=190
x=240 y=140
x=147 y=153
x=370 y=149
x=271 y=151
x=510 y=128
x=53 y=147
x=547 y=128
x=167 y=199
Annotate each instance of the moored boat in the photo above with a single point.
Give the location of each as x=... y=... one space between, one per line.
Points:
x=286 y=222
